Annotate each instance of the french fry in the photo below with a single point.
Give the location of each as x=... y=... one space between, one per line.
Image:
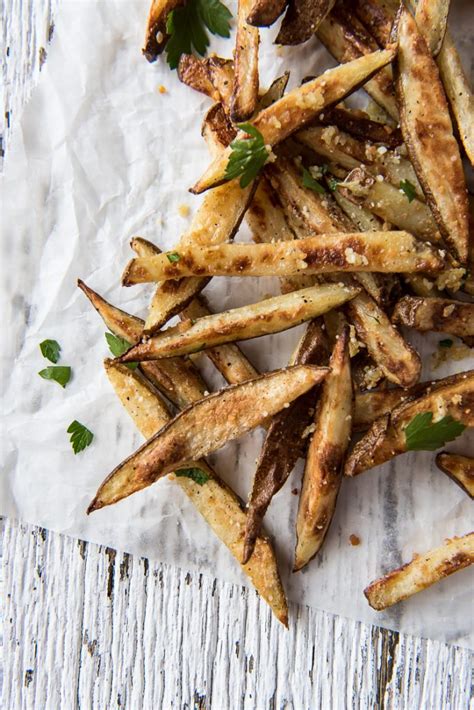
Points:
x=204 y=427
x=323 y=470
x=422 y=572
x=386 y=439
x=216 y=129
x=263 y=13
x=346 y=39
x=284 y=442
x=432 y=19
x=459 y=468
x=156 y=36
x=217 y=503
x=370 y=406
x=427 y=130
x=177 y=378
x=302 y=19
x=274 y=92
x=245 y=90
x=437 y=314
x=358 y=123
x=271 y=315
x=377 y=16
x=221 y=74
x=300 y=106
x=194 y=73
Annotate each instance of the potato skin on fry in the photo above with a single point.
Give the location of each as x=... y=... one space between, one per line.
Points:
x=459 y=468
x=302 y=19
x=323 y=470
x=436 y=314
x=263 y=13
x=422 y=572
x=245 y=91
x=156 y=36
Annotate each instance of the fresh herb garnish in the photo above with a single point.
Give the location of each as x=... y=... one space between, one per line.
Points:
x=173 y=256
x=58 y=373
x=248 y=156
x=50 y=349
x=408 y=189
x=196 y=474
x=332 y=184
x=118 y=346
x=422 y=434
x=187 y=28
x=309 y=181
x=447 y=343
x=81 y=437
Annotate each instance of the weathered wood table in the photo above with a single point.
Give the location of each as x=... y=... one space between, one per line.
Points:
x=86 y=627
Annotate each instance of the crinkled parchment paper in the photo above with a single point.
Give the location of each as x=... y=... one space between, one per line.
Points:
x=99 y=156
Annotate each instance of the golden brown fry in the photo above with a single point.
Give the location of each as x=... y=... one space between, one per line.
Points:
x=221 y=74
x=459 y=468
x=194 y=73
x=265 y=216
x=377 y=16
x=271 y=315
x=422 y=572
x=432 y=18
x=358 y=124
x=177 y=378
x=427 y=130
x=217 y=503
x=245 y=91
x=284 y=442
x=263 y=13
x=204 y=427
x=217 y=130
x=369 y=406
x=438 y=314
x=156 y=36
x=398 y=361
x=323 y=470
x=300 y=106
x=452 y=396
x=346 y=38
x=302 y=19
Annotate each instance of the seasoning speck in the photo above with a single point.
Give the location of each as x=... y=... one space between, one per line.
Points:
x=354 y=540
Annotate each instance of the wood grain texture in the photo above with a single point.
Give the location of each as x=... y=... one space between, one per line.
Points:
x=86 y=627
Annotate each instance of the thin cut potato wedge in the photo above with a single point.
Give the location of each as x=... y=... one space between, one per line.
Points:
x=204 y=427
x=264 y=13
x=194 y=73
x=323 y=471
x=177 y=378
x=285 y=441
x=346 y=39
x=432 y=19
x=438 y=314
x=377 y=16
x=370 y=406
x=428 y=133
x=298 y=107
x=459 y=468
x=245 y=91
x=271 y=315
x=359 y=124
x=221 y=74
x=302 y=19
x=156 y=36
x=384 y=252
x=229 y=359
x=217 y=503
x=422 y=572
x=399 y=362
x=266 y=218
x=386 y=438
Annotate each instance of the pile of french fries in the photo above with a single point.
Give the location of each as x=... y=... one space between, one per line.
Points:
x=364 y=218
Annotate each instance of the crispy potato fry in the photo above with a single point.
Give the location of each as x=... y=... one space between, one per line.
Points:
x=370 y=406
x=177 y=378
x=265 y=216
x=399 y=362
x=271 y=315
x=323 y=470
x=438 y=314
x=377 y=16
x=284 y=442
x=427 y=130
x=384 y=252
x=432 y=19
x=302 y=19
x=359 y=124
x=216 y=129
x=156 y=36
x=217 y=503
x=221 y=74
x=452 y=396
x=298 y=107
x=346 y=39
x=422 y=286
x=204 y=427
x=422 y=572
x=263 y=13
x=194 y=73
x=274 y=92
x=459 y=468
x=245 y=90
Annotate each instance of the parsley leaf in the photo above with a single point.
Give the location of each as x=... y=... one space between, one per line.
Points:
x=447 y=343
x=118 y=346
x=332 y=184
x=81 y=437
x=50 y=349
x=248 y=156
x=309 y=181
x=423 y=435
x=187 y=28
x=173 y=256
x=196 y=474
x=57 y=373
x=408 y=189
